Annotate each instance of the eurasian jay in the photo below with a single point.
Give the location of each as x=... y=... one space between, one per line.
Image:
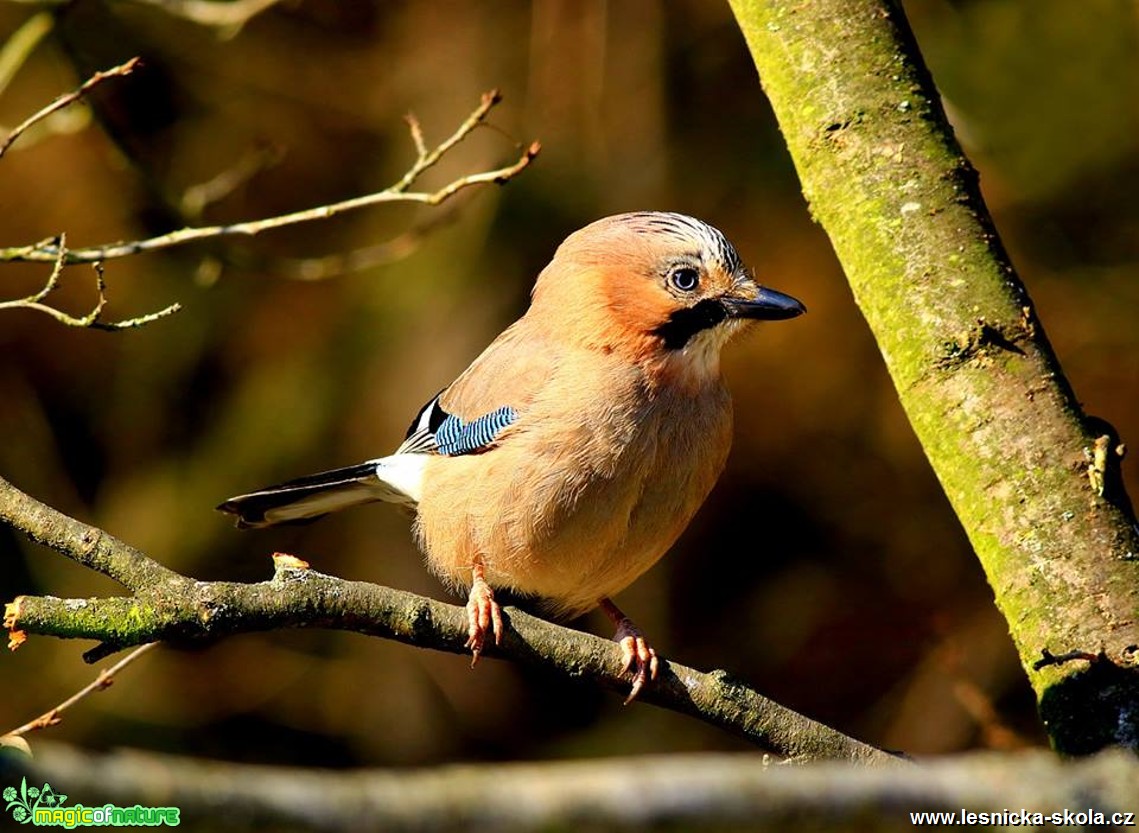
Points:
x=572 y=453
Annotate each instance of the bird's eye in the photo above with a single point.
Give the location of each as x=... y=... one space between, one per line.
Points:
x=684 y=278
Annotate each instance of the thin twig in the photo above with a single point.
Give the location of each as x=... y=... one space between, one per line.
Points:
x=104 y=680
x=424 y=158
x=54 y=250
x=416 y=129
x=47 y=251
x=93 y=319
x=40 y=252
x=69 y=98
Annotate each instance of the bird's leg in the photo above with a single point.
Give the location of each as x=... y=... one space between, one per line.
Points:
x=640 y=657
x=482 y=612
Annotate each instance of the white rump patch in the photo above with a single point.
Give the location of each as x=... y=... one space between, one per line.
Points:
x=404 y=474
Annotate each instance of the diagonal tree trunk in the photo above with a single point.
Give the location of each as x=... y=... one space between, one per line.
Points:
x=1033 y=480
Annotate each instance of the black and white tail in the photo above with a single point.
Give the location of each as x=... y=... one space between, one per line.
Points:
x=393 y=479
x=396 y=478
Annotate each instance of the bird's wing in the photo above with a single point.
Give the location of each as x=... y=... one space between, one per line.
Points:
x=473 y=414
x=437 y=432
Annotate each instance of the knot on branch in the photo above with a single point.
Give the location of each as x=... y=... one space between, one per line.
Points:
x=980 y=342
x=288 y=567
x=16 y=637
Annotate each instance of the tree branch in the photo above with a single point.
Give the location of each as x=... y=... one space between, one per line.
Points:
x=676 y=792
x=67 y=100
x=167 y=606
x=985 y=394
x=93 y=319
x=398 y=192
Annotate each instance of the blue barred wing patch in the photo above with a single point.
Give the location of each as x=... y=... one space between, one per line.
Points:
x=455 y=437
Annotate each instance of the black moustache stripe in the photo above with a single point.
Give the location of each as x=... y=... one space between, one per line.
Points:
x=685 y=323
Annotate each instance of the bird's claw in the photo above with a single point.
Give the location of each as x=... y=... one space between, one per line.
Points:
x=640 y=658
x=483 y=613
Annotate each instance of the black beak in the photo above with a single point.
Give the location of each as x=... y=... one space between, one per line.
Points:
x=767 y=305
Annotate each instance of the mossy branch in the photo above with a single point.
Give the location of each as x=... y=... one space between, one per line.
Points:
x=167 y=606
x=885 y=177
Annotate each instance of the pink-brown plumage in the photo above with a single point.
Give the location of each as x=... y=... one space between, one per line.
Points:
x=601 y=472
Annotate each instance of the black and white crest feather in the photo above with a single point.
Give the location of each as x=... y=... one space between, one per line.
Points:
x=684 y=228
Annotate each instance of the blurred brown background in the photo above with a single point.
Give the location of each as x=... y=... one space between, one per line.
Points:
x=826 y=569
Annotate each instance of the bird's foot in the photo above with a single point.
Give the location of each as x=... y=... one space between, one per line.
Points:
x=483 y=613
x=640 y=658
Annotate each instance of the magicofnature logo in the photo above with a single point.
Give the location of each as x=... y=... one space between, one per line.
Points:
x=43 y=807
x=25 y=802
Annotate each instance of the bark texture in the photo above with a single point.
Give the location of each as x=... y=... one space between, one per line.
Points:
x=1033 y=480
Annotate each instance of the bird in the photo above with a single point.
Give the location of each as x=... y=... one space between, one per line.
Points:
x=570 y=455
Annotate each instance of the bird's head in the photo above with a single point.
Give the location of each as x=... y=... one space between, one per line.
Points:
x=659 y=286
